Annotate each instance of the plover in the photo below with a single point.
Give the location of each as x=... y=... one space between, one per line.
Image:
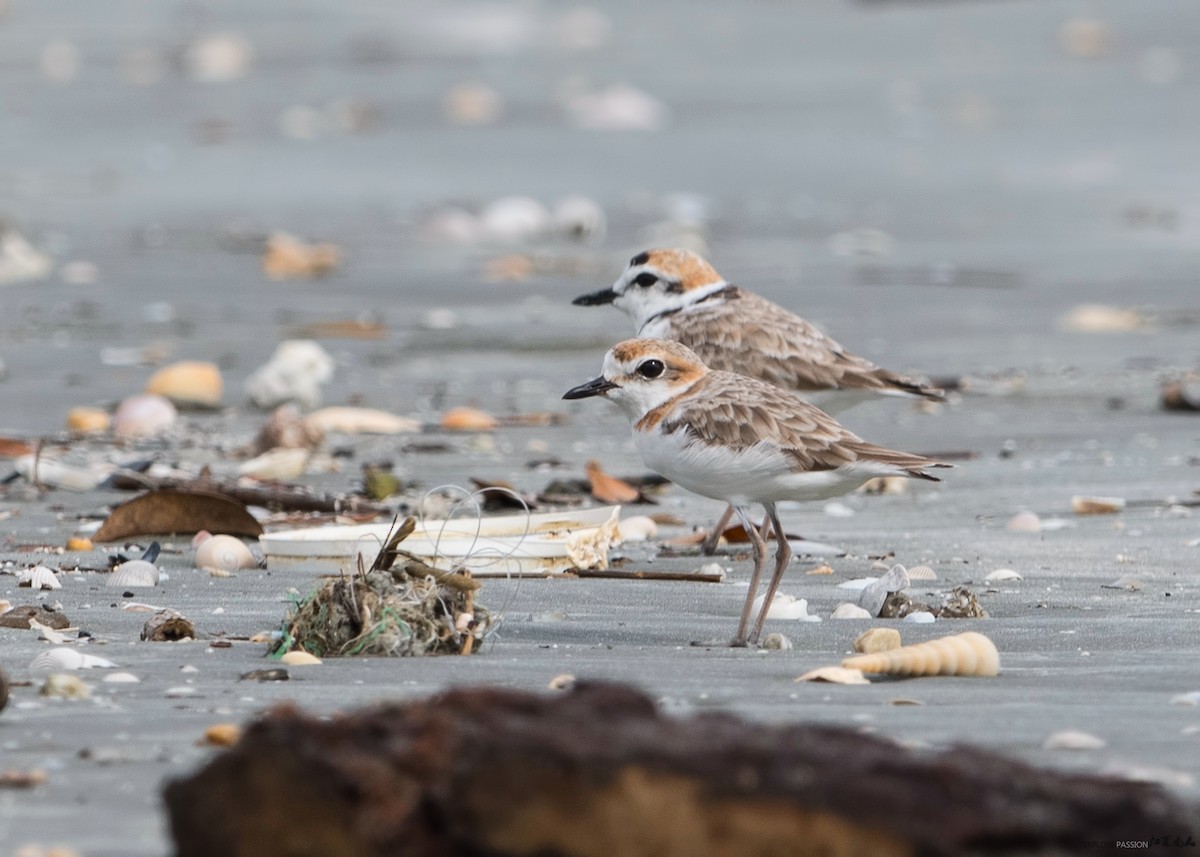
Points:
x=738 y=439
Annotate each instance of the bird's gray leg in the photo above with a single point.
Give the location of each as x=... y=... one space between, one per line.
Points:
x=708 y=547
x=783 y=555
x=759 y=546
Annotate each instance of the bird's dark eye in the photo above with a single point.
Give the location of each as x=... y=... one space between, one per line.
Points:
x=645 y=279
x=651 y=368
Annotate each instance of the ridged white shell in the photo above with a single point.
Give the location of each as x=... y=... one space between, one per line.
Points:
x=963 y=654
x=39 y=577
x=136 y=572
x=63 y=658
x=225 y=553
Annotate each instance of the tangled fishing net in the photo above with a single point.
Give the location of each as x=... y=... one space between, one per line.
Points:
x=399 y=606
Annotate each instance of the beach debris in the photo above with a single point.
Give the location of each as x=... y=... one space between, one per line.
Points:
x=15 y=447
x=49 y=472
x=514 y=220
x=188 y=384
x=885 y=485
x=379 y=482
x=835 y=675
x=472 y=104
x=286 y=257
x=274 y=674
x=221 y=735
x=347 y=420
x=169 y=510
x=1128 y=583
x=785 y=606
x=467 y=419
x=1190 y=698
x=168 y=626
x=87 y=420
x=3 y=690
x=294 y=373
x=921 y=572
x=38 y=577
x=1082 y=505
x=777 y=642
x=121 y=678
x=353 y=328
x=299 y=658
x=589 y=549
x=638 y=528
x=959 y=603
x=20 y=261
x=875 y=640
x=287 y=428
x=1181 y=394
x=218 y=57
x=585 y=758
x=144 y=415
x=1002 y=575
x=64 y=658
x=1086 y=38
x=226 y=553
x=276 y=465
x=1098 y=318
x=579 y=218
x=968 y=654
x=64 y=686
x=1073 y=739
x=79 y=543
x=1024 y=522
x=15 y=779
x=292 y=498
x=619 y=107
x=920 y=617
x=562 y=681
x=26 y=615
x=875 y=593
x=846 y=610
x=134 y=574
x=398 y=606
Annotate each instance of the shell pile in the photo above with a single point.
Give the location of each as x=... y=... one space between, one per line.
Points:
x=962 y=654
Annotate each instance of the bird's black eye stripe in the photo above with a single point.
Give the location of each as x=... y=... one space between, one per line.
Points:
x=645 y=279
x=651 y=368
x=639 y=259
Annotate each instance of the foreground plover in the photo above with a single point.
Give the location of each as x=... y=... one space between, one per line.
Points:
x=738 y=439
x=675 y=294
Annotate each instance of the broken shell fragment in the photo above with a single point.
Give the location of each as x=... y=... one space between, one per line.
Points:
x=361 y=421
x=135 y=573
x=468 y=419
x=84 y=420
x=188 y=383
x=835 y=675
x=295 y=372
x=63 y=658
x=1073 y=739
x=299 y=658
x=144 y=415
x=65 y=686
x=874 y=640
x=1024 y=522
x=564 y=681
x=222 y=735
x=221 y=552
x=286 y=257
x=1081 y=505
x=969 y=654
x=1002 y=574
x=39 y=577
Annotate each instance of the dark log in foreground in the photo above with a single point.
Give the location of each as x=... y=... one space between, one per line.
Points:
x=598 y=771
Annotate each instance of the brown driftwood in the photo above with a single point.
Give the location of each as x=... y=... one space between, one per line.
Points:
x=598 y=771
x=618 y=574
x=294 y=498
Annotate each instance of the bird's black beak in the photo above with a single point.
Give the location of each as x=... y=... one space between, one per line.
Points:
x=595 y=387
x=604 y=296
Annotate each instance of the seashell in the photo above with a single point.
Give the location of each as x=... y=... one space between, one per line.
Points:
x=619 y=107
x=5 y=606
x=45 y=632
x=222 y=735
x=846 y=610
x=1128 y=583
x=1002 y=574
x=875 y=594
x=168 y=626
x=823 y=568
x=218 y=57
x=136 y=572
x=963 y=654
x=1096 y=505
x=65 y=686
x=84 y=420
x=607 y=488
x=580 y=218
x=468 y=419
x=287 y=428
x=20 y=261
x=1192 y=698
x=786 y=607
x=121 y=678
x=280 y=464
x=776 y=642
x=920 y=617
x=39 y=577
x=63 y=658
x=295 y=372
x=79 y=543
x=472 y=104
x=1024 y=522
x=188 y=382
x=875 y=640
x=41 y=470
x=286 y=257
x=360 y=421
x=564 y=681
x=857 y=584
x=1086 y=38
x=835 y=675
x=144 y=415
x=639 y=528
x=714 y=569
x=922 y=572
x=225 y=553
x=514 y=219
x=439 y=318
x=299 y=658
x=1073 y=739
x=1097 y=318
x=885 y=485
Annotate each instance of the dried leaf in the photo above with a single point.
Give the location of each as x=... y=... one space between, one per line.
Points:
x=14 y=447
x=610 y=489
x=169 y=511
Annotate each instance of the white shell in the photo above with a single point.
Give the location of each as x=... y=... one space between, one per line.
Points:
x=1024 y=522
x=56 y=474
x=514 y=219
x=580 y=218
x=846 y=610
x=922 y=572
x=295 y=372
x=277 y=464
x=921 y=617
x=39 y=577
x=63 y=658
x=144 y=415
x=121 y=678
x=1073 y=739
x=835 y=675
x=361 y=421
x=65 y=686
x=776 y=642
x=225 y=553
x=786 y=607
x=136 y=572
x=619 y=107
x=1002 y=574
x=299 y=658
x=639 y=528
